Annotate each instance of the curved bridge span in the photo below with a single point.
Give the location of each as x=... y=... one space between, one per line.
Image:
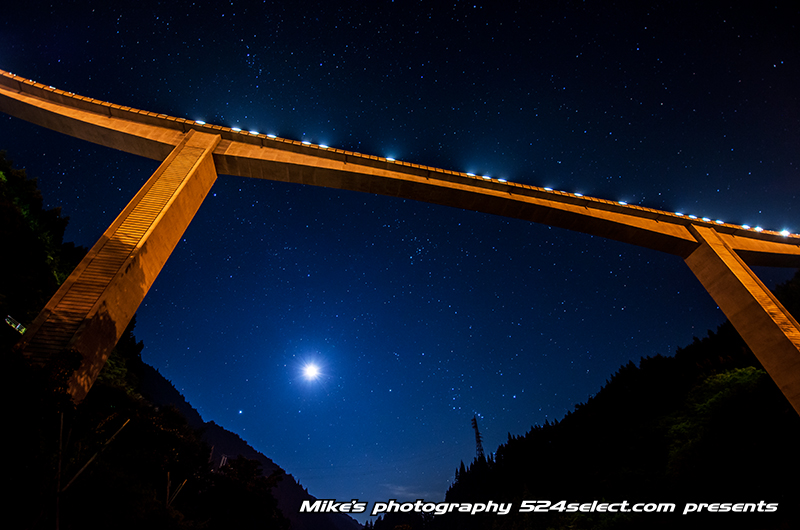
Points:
x=92 y=308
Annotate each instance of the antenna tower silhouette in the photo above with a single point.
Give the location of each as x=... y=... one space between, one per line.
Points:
x=478 y=444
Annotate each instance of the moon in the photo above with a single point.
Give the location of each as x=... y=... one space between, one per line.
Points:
x=311 y=371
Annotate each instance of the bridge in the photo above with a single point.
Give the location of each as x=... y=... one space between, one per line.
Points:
x=92 y=308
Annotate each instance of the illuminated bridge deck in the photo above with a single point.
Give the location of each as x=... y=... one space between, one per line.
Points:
x=250 y=154
x=89 y=313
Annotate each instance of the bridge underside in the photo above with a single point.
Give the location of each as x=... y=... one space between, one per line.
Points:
x=94 y=306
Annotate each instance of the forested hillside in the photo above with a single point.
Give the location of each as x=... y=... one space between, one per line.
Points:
x=117 y=460
x=705 y=426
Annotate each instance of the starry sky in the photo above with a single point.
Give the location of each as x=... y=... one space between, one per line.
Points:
x=420 y=316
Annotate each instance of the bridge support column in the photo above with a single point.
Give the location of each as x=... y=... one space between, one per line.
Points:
x=762 y=321
x=92 y=308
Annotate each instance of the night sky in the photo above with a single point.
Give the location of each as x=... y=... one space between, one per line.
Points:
x=420 y=316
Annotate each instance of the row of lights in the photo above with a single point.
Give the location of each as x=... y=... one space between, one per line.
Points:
x=272 y=136
x=784 y=233
x=486 y=177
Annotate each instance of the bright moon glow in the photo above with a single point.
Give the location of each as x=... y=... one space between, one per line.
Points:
x=311 y=371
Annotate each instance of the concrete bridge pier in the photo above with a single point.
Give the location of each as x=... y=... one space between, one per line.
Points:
x=762 y=321
x=91 y=310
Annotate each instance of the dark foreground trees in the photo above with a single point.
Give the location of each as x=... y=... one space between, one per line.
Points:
x=705 y=426
x=116 y=460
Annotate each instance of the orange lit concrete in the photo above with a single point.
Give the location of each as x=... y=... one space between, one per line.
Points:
x=259 y=156
x=92 y=308
x=244 y=154
x=764 y=324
